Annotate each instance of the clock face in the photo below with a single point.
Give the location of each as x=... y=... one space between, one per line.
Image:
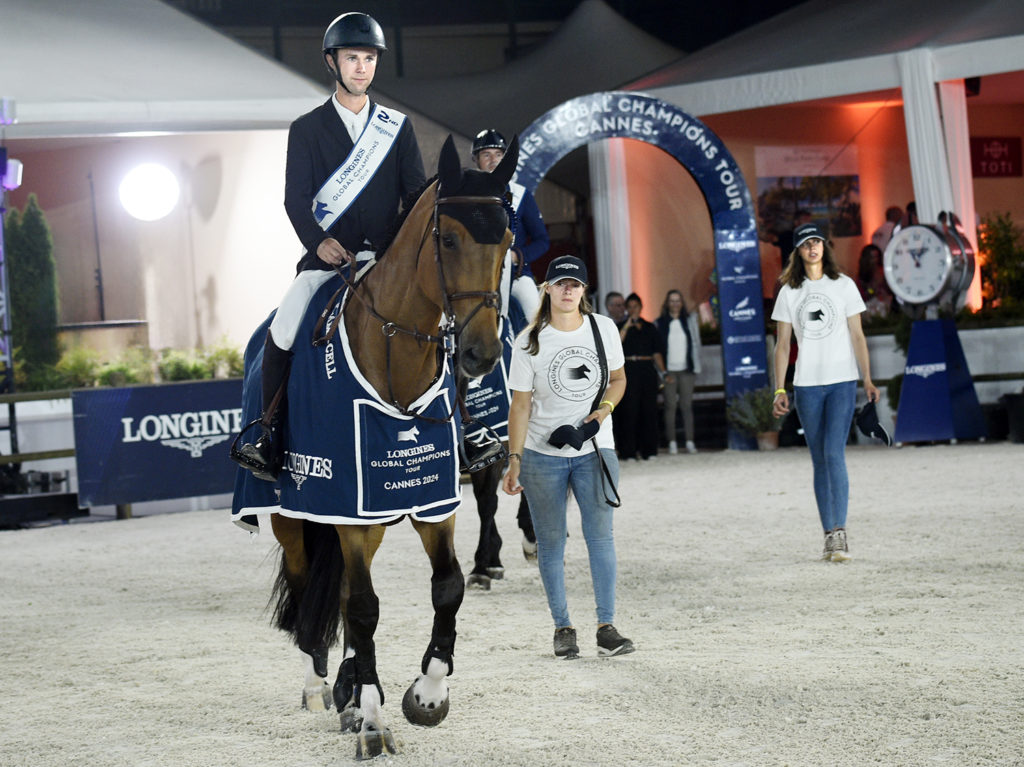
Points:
x=917 y=264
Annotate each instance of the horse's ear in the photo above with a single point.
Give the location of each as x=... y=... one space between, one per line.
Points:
x=449 y=171
x=507 y=167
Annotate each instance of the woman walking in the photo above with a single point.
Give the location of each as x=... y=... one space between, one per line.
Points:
x=680 y=337
x=559 y=441
x=823 y=307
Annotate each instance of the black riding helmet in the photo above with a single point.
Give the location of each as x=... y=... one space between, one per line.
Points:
x=488 y=139
x=352 y=30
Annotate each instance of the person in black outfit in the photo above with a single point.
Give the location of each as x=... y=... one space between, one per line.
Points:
x=637 y=427
x=341 y=208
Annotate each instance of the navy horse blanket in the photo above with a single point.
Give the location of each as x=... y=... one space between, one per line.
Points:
x=350 y=457
x=488 y=398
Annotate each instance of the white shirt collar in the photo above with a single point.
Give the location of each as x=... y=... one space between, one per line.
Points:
x=354 y=121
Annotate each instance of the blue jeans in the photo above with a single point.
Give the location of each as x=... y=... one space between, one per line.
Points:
x=546 y=480
x=826 y=413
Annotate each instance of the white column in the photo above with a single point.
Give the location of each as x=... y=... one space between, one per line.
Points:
x=953 y=102
x=932 y=189
x=609 y=199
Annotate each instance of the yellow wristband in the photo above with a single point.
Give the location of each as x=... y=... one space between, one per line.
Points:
x=610 y=404
x=779 y=391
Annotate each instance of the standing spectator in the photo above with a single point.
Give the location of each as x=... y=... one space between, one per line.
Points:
x=874 y=290
x=823 y=307
x=881 y=236
x=680 y=338
x=615 y=307
x=637 y=428
x=555 y=377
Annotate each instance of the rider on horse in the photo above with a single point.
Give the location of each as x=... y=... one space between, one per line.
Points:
x=350 y=163
x=530 y=236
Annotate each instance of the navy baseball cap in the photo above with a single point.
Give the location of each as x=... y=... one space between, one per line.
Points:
x=806 y=232
x=867 y=422
x=566 y=267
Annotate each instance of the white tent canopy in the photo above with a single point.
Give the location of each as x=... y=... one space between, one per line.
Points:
x=829 y=48
x=119 y=66
x=833 y=48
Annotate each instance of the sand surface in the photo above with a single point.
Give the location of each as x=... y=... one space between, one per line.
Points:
x=146 y=641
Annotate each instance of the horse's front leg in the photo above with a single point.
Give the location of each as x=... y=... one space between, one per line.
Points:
x=357 y=687
x=291 y=588
x=426 y=701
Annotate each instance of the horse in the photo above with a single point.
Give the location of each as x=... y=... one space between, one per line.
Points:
x=487 y=401
x=441 y=271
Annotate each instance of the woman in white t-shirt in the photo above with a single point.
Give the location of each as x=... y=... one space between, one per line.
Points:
x=555 y=376
x=823 y=307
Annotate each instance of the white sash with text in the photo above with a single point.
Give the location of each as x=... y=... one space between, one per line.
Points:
x=352 y=176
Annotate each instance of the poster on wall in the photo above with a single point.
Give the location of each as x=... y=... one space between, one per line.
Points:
x=822 y=180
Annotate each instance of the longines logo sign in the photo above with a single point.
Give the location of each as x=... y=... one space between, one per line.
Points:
x=191 y=431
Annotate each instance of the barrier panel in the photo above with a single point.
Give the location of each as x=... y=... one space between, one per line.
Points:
x=150 y=443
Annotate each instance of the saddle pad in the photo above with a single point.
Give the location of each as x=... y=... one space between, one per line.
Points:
x=350 y=457
x=488 y=398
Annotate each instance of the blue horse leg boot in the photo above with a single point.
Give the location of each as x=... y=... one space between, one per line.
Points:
x=265 y=456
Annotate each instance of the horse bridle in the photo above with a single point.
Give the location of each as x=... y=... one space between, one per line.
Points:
x=452 y=327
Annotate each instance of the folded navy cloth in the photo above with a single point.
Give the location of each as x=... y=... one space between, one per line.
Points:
x=574 y=436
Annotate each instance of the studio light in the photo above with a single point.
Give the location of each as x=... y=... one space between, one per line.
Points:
x=149 y=192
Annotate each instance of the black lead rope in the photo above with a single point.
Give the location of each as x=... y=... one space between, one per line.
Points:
x=597 y=403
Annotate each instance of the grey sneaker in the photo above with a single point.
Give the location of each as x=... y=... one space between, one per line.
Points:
x=830 y=546
x=840 y=549
x=565 y=643
x=611 y=642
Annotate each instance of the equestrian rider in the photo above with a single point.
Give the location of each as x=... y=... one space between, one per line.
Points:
x=350 y=162
x=530 y=235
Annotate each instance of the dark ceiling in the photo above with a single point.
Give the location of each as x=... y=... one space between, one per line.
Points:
x=685 y=24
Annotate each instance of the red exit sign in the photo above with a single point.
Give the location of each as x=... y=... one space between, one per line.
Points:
x=995 y=156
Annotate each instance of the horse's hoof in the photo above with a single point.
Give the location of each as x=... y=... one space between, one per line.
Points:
x=318 y=700
x=373 y=743
x=496 y=573
x=351 y=719
x=429 y=715
x=529 y=550
x=478 y=581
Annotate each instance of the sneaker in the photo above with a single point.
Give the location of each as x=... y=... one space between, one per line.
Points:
x=840 y=549
x=673 y=448
x=611 y=642
x=830 y=545
x=690 y=447
x=565 y=643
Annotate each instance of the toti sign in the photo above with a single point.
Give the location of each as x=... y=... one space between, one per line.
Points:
x=620 y=114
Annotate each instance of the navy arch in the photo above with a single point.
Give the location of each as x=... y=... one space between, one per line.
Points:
x=621 y=114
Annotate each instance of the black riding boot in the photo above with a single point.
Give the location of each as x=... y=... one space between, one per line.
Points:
x=479 y=449
x=265 y=456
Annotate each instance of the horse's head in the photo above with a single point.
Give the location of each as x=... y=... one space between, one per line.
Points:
x=472 y=239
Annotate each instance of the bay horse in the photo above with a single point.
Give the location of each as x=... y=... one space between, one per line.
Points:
x=427 y=307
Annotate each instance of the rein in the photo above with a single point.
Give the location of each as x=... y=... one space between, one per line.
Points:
x=452 y=329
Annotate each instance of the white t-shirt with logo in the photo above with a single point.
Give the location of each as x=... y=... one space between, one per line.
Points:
x=818 y=311
x=564 y=378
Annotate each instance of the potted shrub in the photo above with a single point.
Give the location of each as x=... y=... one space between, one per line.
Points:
x=751 y=412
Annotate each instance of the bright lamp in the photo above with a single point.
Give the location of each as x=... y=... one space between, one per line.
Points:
x=149 y=192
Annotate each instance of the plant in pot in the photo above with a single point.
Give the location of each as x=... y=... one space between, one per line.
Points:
x=751 y=412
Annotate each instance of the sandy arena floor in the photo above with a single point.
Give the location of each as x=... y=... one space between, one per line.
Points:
x=145 y=642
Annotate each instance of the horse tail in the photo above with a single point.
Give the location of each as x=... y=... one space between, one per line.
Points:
x=310 y=609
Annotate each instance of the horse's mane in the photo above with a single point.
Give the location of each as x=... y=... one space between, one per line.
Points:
x=406 y=210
